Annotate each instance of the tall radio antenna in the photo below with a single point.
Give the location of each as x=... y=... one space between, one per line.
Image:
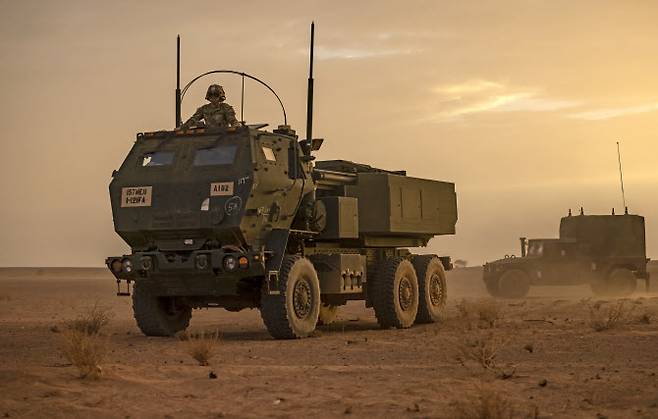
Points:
x=178 y=93
x=309 y=95
x=621 y=178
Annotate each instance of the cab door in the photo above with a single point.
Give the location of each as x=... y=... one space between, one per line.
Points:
x=563 y=264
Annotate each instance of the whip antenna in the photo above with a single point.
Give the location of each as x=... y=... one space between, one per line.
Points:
x=178 y=94
x=309 y=95
x=621 y=178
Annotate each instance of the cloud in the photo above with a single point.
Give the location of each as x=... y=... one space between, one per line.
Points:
x=607 y=113
x=328 y=53
x=480 y=96
x=470 y=86
x=528 y=102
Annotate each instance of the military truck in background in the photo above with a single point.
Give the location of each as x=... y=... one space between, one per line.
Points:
x=607 y=252
x=242 y=217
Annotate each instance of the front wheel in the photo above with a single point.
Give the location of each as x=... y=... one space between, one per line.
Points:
x=293 y=313
x=159 y=316
x=492 y=286
x=432 y=288
x=514 y=283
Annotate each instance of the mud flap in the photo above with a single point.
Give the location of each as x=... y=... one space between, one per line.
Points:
x=276 y=248
x=272 y=283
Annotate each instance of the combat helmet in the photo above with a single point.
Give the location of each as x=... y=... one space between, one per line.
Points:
x=215 y=90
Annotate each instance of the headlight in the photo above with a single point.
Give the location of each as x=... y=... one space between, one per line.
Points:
x=127 y=265
x=116 y=266
x=202 y=262
x=147 y=263
x=230 y=263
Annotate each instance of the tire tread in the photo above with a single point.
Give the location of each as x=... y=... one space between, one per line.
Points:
x=384 y=294
x=149 y=316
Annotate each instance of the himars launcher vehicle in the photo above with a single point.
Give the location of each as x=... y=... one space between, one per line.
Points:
x=605 y=251
x=244 y=218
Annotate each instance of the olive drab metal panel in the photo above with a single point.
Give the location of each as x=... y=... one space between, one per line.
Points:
x=391 y=204
x=607 y=235
x=340 y=273
x=342 y=218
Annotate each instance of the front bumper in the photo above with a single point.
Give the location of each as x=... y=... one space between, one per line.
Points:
x=196 y=273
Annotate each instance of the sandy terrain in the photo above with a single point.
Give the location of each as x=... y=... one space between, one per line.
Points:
x=351 y=368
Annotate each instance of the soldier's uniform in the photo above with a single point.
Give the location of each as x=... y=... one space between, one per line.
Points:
x=221 y=115
x=215 y=114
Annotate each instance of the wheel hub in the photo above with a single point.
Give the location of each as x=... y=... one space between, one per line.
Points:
x=435 y=291
x=302 y=299
x=405 y=294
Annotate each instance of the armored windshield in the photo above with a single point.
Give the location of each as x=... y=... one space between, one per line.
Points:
x=214 y=156
x=158 y=158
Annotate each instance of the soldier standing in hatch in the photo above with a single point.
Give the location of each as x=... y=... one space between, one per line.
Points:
x=215 y=114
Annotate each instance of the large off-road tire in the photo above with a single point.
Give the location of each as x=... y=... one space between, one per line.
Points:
x=619 y=282
x=492 y=286
x=514 y=283
x=395 y=293
x=159 y=316
x=432 y=288
x=294 y=312
x=327 y=315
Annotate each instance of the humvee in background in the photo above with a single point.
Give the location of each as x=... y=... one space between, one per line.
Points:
x=605 y=251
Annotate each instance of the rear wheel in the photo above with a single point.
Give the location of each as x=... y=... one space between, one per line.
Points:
x=619 y=282
x=432 y=288
x=293 y=313
x=514 y=283
x=159 y=316
x=395 y=293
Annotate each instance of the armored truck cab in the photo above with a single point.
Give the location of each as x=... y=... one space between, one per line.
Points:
x=184 y=201
x=605 y=251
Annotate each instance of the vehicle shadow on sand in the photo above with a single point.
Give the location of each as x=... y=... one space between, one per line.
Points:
x=336 y=328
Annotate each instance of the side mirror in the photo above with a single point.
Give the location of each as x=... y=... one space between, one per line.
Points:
x=312 y=145
x=316 y=143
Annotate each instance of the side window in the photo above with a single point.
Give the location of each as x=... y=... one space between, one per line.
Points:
x=157 y=158
x=536 y=249
x=269 y=153
x=279 y=152
x=215 y=156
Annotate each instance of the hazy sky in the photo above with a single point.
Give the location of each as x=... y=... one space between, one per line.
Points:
x=518 y=103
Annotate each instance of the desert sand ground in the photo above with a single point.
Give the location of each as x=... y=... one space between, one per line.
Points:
x=550 y=362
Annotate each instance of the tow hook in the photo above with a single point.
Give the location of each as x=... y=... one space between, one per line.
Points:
x=127 y=292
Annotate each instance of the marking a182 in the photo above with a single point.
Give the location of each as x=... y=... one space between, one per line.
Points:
x=136 y=196
x=221 y=189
